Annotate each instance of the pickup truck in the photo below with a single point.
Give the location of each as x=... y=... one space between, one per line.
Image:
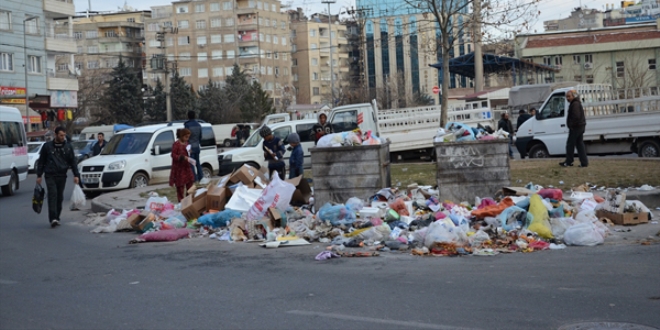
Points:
x=618 y=122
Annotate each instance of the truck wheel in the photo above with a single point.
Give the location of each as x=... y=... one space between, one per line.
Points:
x=227 y=143
x=139 y=180
x=9 y=189
x=207 y=171
x=649 y=148
x=538 y=151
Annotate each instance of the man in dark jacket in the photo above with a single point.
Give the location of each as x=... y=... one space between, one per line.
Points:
x=505 y=125
x=99 y=145
x=522 y=117
x=576 y=123
x=273 y=152
x=195 y=137
x=321 y=128
x=55 y=159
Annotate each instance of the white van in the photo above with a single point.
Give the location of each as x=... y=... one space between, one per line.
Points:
x=252 y=152
x=13 y=150
x=140 y=156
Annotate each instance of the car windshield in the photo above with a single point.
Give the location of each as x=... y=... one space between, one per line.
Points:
x=33 y=147
x=126 y=144
x=79 y=145
x=253 y=141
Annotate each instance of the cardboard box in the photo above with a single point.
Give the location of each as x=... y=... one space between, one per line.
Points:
x=246 y=174
x=516 y=191
x=275 y=218
x=303 y=191
x=624 y=218
x=218 y=194
x=140 y=221
x=194 y=205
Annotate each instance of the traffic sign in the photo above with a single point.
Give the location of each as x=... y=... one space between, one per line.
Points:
x=436 y=90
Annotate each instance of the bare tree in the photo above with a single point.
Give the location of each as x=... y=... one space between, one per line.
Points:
x=91 y=87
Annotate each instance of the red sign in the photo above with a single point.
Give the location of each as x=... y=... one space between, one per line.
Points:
x=18 y=92
x=360 y=119
x=436 y=90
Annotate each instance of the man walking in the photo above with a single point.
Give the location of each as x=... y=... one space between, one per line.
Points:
x=55 y=159
x=505 y=125
x=99 y=145
x=195 y=136
x=576 y=123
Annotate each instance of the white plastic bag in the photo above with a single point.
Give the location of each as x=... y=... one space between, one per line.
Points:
x=439 y=233
x=243 y=198
x=77 y=198
x=560 y=225
x=583 y=234
x=586 y=216
x=277 y=194
x=155 y=204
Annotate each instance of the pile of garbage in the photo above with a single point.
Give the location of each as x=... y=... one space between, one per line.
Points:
x=459 y=132
x=245 y=207
x=347 y=139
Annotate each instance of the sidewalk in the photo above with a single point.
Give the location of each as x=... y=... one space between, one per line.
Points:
x=127 y=199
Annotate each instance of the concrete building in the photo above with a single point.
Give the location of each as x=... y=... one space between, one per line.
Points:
x=580 y=18
x=625 y=56
x=204 y=39
x=311 y=58
x=32 y=22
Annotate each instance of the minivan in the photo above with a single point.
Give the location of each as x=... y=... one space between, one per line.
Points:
x=137 y=157
x=13 y=150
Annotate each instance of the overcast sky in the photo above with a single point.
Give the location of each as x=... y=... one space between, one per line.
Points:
x=550 y=9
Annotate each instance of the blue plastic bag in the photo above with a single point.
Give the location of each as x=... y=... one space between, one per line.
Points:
x=513 y=218
x=220 y=219
x=337 y=214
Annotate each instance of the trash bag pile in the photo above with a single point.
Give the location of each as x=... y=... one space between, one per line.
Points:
x=346 y=139
x=459 y=132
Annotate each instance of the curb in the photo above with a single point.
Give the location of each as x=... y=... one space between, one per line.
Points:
x=102 y=203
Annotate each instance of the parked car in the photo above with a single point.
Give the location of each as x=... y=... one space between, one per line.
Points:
x=13 y=150
x=34 y=148
x=140 y=156
x=83 y=149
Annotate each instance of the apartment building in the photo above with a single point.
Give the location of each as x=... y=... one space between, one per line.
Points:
x=29 y=26
x=204 y=39
x=315 y=45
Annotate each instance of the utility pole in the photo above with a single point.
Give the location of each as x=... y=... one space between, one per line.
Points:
x=478 y=54
x=160 y=63
x=27 y=94
x=332 y=71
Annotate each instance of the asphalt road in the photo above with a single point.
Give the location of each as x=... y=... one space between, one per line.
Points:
x=68 y=278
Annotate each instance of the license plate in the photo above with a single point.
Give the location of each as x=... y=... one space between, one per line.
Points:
x=90 y=180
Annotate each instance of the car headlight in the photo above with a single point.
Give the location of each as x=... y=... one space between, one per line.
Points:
x=227 y=157
x=117 y=165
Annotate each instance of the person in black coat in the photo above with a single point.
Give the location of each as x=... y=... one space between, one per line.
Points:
x=522 y=117
x=576 y=123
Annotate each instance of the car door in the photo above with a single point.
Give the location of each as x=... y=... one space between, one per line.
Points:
x=550 y=126
x=306 y=141
x=161 y=163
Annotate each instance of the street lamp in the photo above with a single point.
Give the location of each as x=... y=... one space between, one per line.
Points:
x=332 y=71
x=27 y=95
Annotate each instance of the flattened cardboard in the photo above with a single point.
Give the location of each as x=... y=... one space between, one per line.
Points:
x=139 y=221
x=516 y=191
x=303 y=191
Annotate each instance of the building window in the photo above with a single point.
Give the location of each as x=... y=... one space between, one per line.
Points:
x=92 y=49
x=277 y=70
x=315 y=91
x=286 y=71
x=216 y=55
x=154 y=43
x=294 y=62
x=273 y=8
x=183 y=24
x=261 y=37
x=276 y=40
x=231 y=54
x=201 y=24
x=184 y=56
x=577 y=78
x=547 y=60
x=268 y=55
x=313 y=47
x=229 y=70
x=201 y=57
x=217 y=72
x=199 y=8
x=590 y=79
x=315 y=61
x=215 y=6
x=283 y=25
x=170 y=41
x=312 y=33
x=284 y=56
x=182 y=9
x=276 y=56
x=295 y=77
x=153 y=27
x=5 y=20
x=185 y=72
x=260 y=5
x=576 y=59
x=266 y=22
x=229 y=22
x=652 y=65
x=227 y=6
x=93 y=64
x=229 y=38
x=283 y=41
x=80 y=49
x=252 y=4
x=32 y=27
x=216 y=38
x=130 y=20
x=588 y=58
x=6 y=62
x=294 y=48
x=216 y=22
x=268 y=38
x=202 y=73
x=558 y=60
x=270 y=70
x=78 y=35
x=201 y=40
x=183 y=40
x=34 y=64
x=92 y=34
x=315 y=76
x=620 y=70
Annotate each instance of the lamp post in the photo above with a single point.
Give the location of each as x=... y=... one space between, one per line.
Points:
x=332 y=71
x=27 y=97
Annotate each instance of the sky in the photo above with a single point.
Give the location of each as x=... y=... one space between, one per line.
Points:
x=550 y=9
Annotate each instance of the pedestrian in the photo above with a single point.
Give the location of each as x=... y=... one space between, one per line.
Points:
x=296 y=159
x=321 y=128
x=505 y=125
x=273 y=152
x=55 y=159
x=576 y=123
x=235 y=135
x=181 y=175
x=99 y=145
x=532 y=112
x=522 y=117
x=195 y=137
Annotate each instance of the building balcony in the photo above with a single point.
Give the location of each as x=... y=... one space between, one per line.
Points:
x=61 y=81
x=61 y=45
x=343 y=69
x=58 y=8
x=246 y=10
x=247 y=26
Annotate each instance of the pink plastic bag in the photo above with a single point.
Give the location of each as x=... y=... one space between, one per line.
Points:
x=400 y=207
x=169 y=235
x=552 y=193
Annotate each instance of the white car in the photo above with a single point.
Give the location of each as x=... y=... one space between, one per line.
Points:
x=140 y=156
x=34 y=148
x=13 y=150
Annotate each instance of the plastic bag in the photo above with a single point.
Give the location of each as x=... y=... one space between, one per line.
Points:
x=513 y=218
x=277 y=194
x=164 y=235
x=355 y=204
x=77 y=198
x=540 y=224
x=583 y=234
x=155 y=204
x=38 y=198
x=479 y=238
x=439 y=233
x=219 y=219
x=559 y=226
x=557 y=212
x=586 y=216
x=552 y=193
x=371 y=139
x=399 y=205
x=243 y=198
x=336 y=214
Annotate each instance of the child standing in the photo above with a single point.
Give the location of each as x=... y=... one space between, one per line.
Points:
x=181 y=175
x=296 y=159
x=273 y=152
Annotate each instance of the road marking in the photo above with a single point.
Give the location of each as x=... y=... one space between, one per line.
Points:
x=408 y=324
x=8 y=282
